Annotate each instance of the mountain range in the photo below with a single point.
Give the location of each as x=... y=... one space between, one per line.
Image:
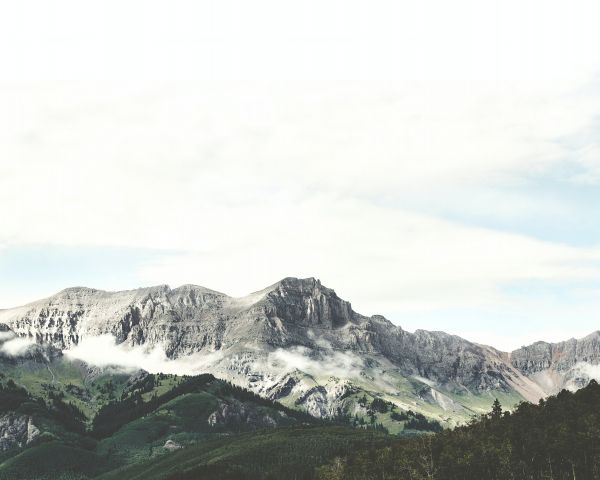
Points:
x=298 y=343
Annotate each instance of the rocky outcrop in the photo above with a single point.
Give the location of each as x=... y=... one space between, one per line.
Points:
x=136 y=317
x=16 y=431
x=293 y=312
x=236 y=414
x=16 y=350
x=554 y=366
x=560 y=357
x=171 y=446
x=319 y=334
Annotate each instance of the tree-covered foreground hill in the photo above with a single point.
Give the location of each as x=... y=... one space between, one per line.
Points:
x=557 y=439
x=61 y=420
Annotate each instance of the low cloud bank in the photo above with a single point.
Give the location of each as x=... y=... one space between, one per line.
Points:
x=15 y=347
x=318 y=364
x=587 y=370
x=103 y=351
x=6 y=335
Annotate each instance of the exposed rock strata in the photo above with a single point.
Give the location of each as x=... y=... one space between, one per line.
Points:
x=291 y=340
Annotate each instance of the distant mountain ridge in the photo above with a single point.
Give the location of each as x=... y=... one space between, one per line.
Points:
x=298 y=342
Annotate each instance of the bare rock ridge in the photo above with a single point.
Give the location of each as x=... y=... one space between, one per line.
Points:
x=298 y=340
x=292 y=312
x=189 y=318
x=569 y=364
x=559 y=356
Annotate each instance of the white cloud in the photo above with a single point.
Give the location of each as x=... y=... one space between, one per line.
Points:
x=103 y=351
x=16 y=346
x=382 y=259
x=586 y=370
x=322 y=364
x=332 y=39
x=256 y=185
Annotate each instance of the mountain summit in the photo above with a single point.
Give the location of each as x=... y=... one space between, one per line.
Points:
x=298 y=342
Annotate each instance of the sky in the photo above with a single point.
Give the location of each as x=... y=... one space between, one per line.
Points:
x=434 y=162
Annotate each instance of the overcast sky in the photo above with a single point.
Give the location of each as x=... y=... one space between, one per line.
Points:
x=435 y=162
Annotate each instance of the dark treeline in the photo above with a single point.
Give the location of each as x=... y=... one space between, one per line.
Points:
x=14 y=398
x=557 y=439
x=67 y=414
x=412 y=420
x=290 y=453
x=112 y=416
x=131 y=406
x=228 y=389
x=11 y=396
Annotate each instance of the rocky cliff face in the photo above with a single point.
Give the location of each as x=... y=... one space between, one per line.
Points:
x=186 y=319
x=569 y=364
x=17 y=350
x=291 y=313
x=16 y=431
x=298 y=342
x=236 y=413
x=560 y=357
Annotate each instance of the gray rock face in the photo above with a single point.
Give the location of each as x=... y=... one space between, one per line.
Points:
x=293 y=312
x=554 y=366
x=28 y=351
x=560 y=357
x=16 y=431
x=171 y=446
x=297 y=341
x=236 y=414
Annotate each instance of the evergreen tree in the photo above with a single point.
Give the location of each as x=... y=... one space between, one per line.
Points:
x=496 y=409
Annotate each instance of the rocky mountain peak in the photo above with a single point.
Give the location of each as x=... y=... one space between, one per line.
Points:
x=297 y=286
x=559 y=357
x=189 y=288
x=306 y=302
x=298 y=315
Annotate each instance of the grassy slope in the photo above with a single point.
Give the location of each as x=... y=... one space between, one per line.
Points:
x=69 y=377
x=381 y=379
x=53 y=460
x=89 y=393
x=183 y=419
x=268 y=454
x=406 y=394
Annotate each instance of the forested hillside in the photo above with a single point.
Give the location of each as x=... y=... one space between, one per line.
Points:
x=86 y=424
x=557 y=439
x=82 y=425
